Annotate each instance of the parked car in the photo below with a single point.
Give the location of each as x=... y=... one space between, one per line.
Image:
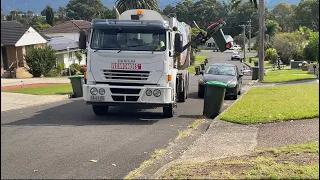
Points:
x=222 y=72
x=235 y=55
x=236 y=47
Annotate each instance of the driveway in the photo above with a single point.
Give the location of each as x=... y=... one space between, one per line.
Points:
x=58 y=140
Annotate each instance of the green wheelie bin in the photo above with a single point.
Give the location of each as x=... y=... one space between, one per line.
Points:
x=77 y=82
x=213 y=98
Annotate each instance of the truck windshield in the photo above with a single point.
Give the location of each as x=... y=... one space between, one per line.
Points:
x=129 y=39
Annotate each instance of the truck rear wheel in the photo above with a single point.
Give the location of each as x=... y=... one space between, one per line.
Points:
x=182 y=96
x=168 y=111
x=100 y=110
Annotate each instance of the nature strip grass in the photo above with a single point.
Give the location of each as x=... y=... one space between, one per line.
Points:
x=61 y=89
x=273 y=104
x=199 y=59
x=287 y=76
x=299 y=161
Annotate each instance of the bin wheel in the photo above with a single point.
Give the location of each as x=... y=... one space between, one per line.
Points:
x=100 y=110
x=168 y=111
x=235 y=97
x=200 y=94
x=239 y=93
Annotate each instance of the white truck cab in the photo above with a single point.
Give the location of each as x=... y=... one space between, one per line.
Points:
x=131 y=62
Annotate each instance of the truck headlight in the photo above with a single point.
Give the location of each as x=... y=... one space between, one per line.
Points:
x=94 y=91
x=102 y=91
x=232 y=83
x=148 y=92
x=157 y=93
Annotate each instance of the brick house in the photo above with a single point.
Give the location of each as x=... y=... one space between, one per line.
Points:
x=16 y=38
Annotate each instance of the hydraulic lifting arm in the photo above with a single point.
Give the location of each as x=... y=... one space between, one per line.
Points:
x=214 y=30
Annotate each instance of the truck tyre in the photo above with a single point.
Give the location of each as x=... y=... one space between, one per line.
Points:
x=100 y=110
x=182 y=96
x=168 y=111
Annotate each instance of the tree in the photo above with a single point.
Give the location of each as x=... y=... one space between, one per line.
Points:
x=239 y=40
x=169 y=10
x=40 y=60
x=109 y=13
x=43 y=12
x=40 y=27
x=285 y=16
x=84 y=9
x=271 y=29
x=49 y=15
x=62 y=14
x=123 y=5
x=311 y=50
x=307 y=14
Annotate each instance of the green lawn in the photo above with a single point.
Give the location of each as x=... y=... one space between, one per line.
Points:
x=60 y=89
x=287 y=76
x=272 y=104
x=299 y=161
x=198 y=61
x=267 y=65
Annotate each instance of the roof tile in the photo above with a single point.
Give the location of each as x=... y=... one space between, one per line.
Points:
x=69 y=27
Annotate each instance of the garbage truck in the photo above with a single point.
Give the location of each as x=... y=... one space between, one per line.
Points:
x=140 y=59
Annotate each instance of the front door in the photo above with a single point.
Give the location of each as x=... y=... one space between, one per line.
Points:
x=5 y=58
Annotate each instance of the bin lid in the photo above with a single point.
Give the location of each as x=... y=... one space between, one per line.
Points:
x=75 y=76
x=217 y=83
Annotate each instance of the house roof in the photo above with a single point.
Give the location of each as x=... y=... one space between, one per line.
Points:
x=11 y=32
x=69 y=27
x=45 y=37
x=62 y=43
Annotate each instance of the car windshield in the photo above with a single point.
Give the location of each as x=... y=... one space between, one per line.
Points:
x=221 y=70
x=235 y=53
x=129 y=39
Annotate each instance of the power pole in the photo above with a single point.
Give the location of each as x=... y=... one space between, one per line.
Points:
x=250 y=35
x=261 y=40
x=244 y=40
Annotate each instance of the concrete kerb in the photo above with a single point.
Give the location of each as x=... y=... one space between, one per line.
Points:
x=216 y=123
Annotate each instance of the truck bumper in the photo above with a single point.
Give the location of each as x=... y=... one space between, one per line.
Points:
x=128 y=95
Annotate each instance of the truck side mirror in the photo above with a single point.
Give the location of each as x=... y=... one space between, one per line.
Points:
x=83 y=40
x=178 y=43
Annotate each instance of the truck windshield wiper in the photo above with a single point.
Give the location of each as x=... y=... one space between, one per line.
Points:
x=154 y=50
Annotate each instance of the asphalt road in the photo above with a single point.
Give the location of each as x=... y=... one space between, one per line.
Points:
x=59 y=140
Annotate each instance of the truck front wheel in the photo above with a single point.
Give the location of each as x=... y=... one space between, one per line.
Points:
x=168 y=111
x=100 y=110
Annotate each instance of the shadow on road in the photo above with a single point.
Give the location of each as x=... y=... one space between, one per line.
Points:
x=77 y=113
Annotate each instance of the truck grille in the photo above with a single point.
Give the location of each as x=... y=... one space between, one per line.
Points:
x=124 y=91
x=126 y=75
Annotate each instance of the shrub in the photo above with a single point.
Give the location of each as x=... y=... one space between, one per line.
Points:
x=75 y=69
x=271 y=55
x=310 y=52
x=83 y=69
x=40 y=60
x=78 y=56
x=289 y=46
x=60 y=66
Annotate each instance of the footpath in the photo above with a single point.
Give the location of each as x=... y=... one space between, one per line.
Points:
x=13 y=101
